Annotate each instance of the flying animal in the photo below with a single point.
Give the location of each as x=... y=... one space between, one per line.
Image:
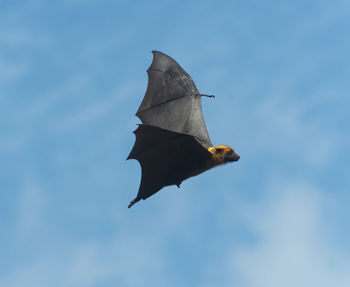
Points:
x=172 y=143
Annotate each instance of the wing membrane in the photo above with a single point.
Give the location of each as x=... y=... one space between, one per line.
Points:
x=172 y=101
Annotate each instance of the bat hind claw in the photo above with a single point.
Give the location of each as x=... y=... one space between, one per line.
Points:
x=208 y=96
x=133 y=202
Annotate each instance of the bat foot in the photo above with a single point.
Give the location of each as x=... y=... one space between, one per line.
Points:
x=133 y=202
x=178 y=185
x=208 y=96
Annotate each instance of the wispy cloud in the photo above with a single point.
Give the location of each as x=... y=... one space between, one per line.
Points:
x=10 y=72
x=280 y=76
x=292 y=246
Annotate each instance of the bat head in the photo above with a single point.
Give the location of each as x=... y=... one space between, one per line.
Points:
x=223 y=154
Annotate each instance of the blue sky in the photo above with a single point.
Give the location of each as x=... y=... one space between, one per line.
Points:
x=72 y=75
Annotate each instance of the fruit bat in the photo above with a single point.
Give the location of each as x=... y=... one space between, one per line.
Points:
x=172 y=143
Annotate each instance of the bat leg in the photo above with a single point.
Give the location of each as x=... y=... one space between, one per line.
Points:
x=133 y=202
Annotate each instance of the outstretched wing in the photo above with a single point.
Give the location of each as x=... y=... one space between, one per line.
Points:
x=172 y=101
x=166 y=158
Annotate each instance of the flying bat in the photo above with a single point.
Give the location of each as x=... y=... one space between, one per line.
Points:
x=172 y=143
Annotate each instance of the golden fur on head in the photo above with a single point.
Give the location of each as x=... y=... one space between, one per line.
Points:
x=223 y=154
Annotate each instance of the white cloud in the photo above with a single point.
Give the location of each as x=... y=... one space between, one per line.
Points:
x=97 y=108
x=292 y=246
x=284 y=127
x=11 y=71
x=31 y=209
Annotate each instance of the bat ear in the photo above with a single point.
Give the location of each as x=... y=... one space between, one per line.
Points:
x=215 y=150
x=212 y=150
x=219 y=150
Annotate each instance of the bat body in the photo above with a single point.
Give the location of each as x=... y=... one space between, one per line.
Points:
x=172 y=143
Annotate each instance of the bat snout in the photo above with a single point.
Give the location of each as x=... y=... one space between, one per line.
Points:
x=233 y=157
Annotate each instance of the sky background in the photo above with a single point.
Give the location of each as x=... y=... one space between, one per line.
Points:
x=72 y=75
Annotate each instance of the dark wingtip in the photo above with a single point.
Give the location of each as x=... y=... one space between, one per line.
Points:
x=133 y=202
